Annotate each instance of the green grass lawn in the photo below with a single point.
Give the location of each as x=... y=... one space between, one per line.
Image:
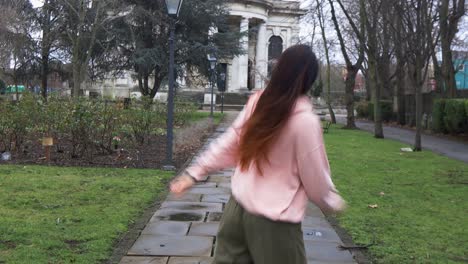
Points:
x=70 y=215
x=197 y=116
x=422 y=199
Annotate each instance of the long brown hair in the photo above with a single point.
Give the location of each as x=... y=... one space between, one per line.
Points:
x=293 y=76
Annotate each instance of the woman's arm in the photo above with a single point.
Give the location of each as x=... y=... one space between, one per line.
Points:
x=313 y=166
x=223 y=152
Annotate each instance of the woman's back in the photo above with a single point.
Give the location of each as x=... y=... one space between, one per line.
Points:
x=278 y=193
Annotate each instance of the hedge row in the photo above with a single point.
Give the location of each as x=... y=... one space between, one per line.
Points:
x=450 y=116
x=365 y=109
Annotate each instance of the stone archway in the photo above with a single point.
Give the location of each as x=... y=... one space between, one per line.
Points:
x=275 y=48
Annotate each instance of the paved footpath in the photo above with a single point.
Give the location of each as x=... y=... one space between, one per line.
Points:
x=449 y=148
x=183 y=230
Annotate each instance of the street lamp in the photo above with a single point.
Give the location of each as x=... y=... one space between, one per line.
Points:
x=173 y=9
x=222 y=88
x=212 y=59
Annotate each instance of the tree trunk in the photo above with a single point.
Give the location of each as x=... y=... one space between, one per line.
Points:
x=439 y=80
x=143 y=83
x=449 y=73
x=76 y=79
x=330 y=108
x=418 y=98
x=44 y=75
x=378 y=128
x=45 y=49
x=140 y=84
x=156 y=86
x=401 y=114
x=448 y=24
x=349 y=97
x=327 y=57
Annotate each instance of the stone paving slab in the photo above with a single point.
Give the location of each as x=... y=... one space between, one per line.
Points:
x=198 y=190
x=219 y=179
x=216 y=198
x=320 y=234
x=214 y=217
x=313 y=221
x=226 y=185
x=166 y=228
x=326 y=252
x=204 y=229
x=193 y=206
x=313 y=210
x=144 y=260
x=190 y=260
x=221 y=174
x=206 y=185
x=154 y=245
x=188 y=197
x=168 y=214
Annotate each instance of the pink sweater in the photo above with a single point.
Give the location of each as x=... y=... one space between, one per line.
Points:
x=298 y=169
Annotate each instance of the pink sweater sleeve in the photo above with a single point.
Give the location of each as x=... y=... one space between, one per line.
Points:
x=222 y=152
x=313 y=166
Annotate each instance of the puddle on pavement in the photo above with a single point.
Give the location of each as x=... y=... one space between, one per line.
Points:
x=192 y=207
x=184 y=217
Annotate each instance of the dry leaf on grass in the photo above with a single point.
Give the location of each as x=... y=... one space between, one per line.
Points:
x=373 y=206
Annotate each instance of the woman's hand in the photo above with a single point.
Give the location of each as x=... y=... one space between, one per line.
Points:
x=335 y=204
x=181 y=184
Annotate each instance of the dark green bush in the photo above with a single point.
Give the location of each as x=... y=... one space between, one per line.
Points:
x=466 y=108
x=386 y=110
x=183 y=111
x=2 y=86
x=317 y=88
x=362 y=109
x=455 y=117
x=438 y=112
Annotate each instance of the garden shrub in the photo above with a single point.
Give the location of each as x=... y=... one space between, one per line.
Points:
x=6 y=125
x=386 y=110
x=438 y=112
x=79 y=124
x=317 y=88
x=139 y=124
x=2 y=86
x=182 y=112
x=455 y=117
x=362 y=109
x=88 y=125
x=19 y=119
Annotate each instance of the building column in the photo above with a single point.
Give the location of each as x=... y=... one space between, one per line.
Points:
x=261 y=60
x=244 y=58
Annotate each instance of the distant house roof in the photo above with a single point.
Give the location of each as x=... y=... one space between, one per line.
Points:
x=459 y=55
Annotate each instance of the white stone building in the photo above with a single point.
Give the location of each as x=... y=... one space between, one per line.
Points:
x=272 y=26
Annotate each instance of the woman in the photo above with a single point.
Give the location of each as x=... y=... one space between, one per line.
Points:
x=277 y=148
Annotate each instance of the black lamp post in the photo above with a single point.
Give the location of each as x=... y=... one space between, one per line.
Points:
x=173 y=8
x=222 y=88
x=212 y=59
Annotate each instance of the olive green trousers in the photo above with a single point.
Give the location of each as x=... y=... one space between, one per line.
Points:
x=244 y=238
